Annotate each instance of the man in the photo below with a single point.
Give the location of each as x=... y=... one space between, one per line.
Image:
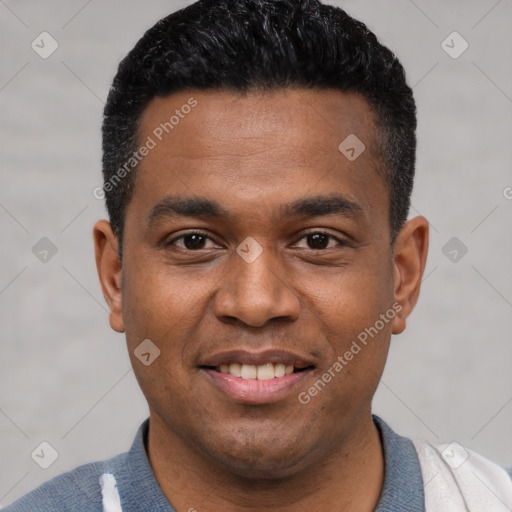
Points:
x=258 y=165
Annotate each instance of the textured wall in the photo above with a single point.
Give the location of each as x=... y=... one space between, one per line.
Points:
x=65 y=378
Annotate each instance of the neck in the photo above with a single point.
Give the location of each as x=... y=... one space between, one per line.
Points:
x=350 y=477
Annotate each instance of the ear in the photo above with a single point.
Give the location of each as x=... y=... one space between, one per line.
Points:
x=410 y=257
x=109 y=271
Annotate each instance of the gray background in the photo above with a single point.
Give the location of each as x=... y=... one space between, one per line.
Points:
x=65 y=377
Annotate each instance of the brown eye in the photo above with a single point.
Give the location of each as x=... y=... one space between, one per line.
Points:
x=191 y=241
x=320 y=240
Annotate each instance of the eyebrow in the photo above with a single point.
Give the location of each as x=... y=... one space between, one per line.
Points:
x=200 y=207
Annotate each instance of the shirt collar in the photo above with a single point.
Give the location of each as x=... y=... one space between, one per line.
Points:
x=402 y=490
x=403 y=484
x=136 y=482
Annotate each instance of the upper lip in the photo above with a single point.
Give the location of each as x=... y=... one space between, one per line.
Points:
x=243 y=356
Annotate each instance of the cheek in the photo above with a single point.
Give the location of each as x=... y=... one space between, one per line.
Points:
x=355 y=312
x=351 y=299
x=159 y=300
x=158 y=323
x=349 y=377
x=166 y=306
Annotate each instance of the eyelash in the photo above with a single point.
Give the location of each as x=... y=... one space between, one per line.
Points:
x=343 y=243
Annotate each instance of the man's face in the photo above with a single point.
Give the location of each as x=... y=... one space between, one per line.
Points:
x=263 y=282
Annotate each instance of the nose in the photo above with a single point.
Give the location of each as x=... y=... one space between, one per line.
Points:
x=256 y=292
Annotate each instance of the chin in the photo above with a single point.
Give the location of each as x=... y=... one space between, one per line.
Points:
x=262 y=469
x=261 y=459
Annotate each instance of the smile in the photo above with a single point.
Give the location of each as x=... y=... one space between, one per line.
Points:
x=256 y=378
x=265 y=371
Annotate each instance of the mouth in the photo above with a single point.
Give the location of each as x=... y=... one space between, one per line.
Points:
x=266 y=371
x=250 y=378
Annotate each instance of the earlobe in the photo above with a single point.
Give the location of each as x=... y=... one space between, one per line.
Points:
x=109 y=271
x=410 y=257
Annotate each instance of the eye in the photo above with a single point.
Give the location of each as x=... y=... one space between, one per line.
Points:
x=319 y=240
x=192 y=241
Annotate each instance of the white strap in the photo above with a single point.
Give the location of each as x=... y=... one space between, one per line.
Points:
x=111 y=499
x=457 y=479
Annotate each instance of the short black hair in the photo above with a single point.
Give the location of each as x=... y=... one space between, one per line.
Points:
x=242 y=45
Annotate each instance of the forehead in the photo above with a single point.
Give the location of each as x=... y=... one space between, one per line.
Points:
x=310 y=119
x=259 y=149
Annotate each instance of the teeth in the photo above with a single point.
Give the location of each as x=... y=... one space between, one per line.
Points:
x=280 y=370
x=235 y=369
x=266 y=372
x=263 y=372
x=249 y=371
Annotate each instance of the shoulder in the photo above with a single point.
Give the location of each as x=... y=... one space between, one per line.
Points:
x=78 y=489
x=457 y=477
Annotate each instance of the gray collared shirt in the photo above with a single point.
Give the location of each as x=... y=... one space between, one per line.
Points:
x=79 y=490
x=403 y=483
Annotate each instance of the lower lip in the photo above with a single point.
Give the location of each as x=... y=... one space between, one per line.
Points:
x=254 y=391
